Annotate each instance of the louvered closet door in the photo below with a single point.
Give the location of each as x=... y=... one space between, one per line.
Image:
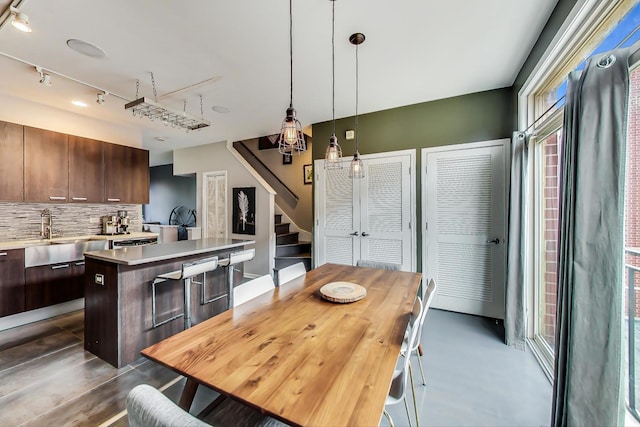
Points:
x=465 y=227
x=337 y=217
x=385 y=202
x=367 y=218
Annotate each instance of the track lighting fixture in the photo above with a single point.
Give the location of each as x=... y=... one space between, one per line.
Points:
x=100 y=97
x=20 y=20
x=45 y=79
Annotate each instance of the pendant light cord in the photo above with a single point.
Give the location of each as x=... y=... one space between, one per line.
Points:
x=291 y=50
x=333 y=65
x=357 y=97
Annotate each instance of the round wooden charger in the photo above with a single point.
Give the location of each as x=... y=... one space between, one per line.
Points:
x=343 y=292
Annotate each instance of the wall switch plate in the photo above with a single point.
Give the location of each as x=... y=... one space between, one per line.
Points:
x=99 y=279
x=350 y=134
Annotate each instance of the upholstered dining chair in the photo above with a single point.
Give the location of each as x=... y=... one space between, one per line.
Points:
x=378 y=264
x=429 y=293
x=148 y=407
x=251 y=289
x=291 y=272
x=398 y=389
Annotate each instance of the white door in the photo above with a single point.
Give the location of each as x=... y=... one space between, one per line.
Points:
x=338 y=219
x=369 y=218
x=464 y=199
x=214 y=189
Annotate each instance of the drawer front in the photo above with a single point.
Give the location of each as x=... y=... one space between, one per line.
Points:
x=53 y=284
x=12 y=255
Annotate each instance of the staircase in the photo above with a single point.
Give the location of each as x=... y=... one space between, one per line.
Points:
x=289 y=250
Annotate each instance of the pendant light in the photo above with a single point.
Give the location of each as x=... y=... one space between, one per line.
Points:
x=333 y=155
x=291 y=139
x=357 y=167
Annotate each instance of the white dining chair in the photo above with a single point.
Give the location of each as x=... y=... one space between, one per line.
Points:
x=251 y=289
x=398 y=389
x=291 y=272
x=429 y=293
x=378 y=264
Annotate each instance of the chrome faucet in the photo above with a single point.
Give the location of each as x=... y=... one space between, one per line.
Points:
x=45 y=229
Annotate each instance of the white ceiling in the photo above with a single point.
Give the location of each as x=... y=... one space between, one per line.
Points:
x=415 y=51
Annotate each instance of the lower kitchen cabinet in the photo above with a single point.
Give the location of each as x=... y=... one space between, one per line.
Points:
x=12 y=289
x=54 y=284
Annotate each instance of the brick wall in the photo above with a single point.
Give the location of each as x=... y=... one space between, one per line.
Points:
x=632 y=191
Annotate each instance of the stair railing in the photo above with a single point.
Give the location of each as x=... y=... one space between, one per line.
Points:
x=283 y=192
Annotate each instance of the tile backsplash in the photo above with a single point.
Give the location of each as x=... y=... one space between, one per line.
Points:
x=21 y=221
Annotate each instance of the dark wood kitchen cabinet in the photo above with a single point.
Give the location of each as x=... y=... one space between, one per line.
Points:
x=86 y=170
x=46 y=165
x=54 y=284
x=12 y=289
x=126 y=174
x=11 y=163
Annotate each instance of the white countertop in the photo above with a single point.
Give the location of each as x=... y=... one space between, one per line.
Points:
x=136 y=255
x=19 y=244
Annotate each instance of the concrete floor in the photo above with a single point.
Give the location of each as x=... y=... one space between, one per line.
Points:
x=473 y=378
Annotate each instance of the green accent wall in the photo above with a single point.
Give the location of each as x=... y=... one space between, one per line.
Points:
x=468 y=118
x=474 y=117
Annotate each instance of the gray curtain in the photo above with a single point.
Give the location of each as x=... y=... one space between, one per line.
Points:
x=588 y=388
x=514 y=318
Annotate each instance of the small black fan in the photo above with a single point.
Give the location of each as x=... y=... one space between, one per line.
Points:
x=183 y=217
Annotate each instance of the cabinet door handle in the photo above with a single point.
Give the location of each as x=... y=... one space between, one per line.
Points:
x=57 y=198
x=80 y=199
x=79 y=263
x=355 y=233
x=113 y=200
x=364 y=234
x=57 y=267
x=3 y=254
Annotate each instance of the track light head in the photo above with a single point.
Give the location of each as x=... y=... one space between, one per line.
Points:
x=20 y=20
x=45 y=79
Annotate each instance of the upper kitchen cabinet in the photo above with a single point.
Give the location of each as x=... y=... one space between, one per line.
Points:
x=86 y=170
x=126 y=174
x=46 y=165
x=11 y=165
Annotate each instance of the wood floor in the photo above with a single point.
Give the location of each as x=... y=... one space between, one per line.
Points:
x=46 y=377
x=473 y=379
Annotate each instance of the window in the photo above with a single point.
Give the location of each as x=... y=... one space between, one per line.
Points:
x=610 y=25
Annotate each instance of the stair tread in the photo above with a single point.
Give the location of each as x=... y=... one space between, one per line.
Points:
x=299 y=242
x=300 y=255
x=288 y=234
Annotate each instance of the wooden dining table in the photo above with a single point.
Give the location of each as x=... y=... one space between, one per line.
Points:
x=297 y=357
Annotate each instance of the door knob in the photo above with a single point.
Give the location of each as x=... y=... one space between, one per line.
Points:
x=494 y=241
x=355 y=233
x=364 y=234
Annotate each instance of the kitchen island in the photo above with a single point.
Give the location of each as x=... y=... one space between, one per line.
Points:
x=118 y=294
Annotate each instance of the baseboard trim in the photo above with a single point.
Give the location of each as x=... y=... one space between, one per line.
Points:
x=31 y=316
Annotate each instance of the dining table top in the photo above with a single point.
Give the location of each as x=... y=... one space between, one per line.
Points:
x=297 y=357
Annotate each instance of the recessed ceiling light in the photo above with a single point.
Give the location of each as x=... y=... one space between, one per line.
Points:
x=160 y=138
x=79 y=103
x=220 y=109
x=86 y=48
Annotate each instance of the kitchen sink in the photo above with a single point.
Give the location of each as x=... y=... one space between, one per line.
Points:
x=67 y=241
x=54 y=252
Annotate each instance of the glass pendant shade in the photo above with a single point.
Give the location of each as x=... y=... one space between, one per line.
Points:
x=356 y=170
x=333 y=155
x=291 y=140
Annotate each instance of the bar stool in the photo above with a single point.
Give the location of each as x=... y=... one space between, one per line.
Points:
x=229 y=263
x=185 y=274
